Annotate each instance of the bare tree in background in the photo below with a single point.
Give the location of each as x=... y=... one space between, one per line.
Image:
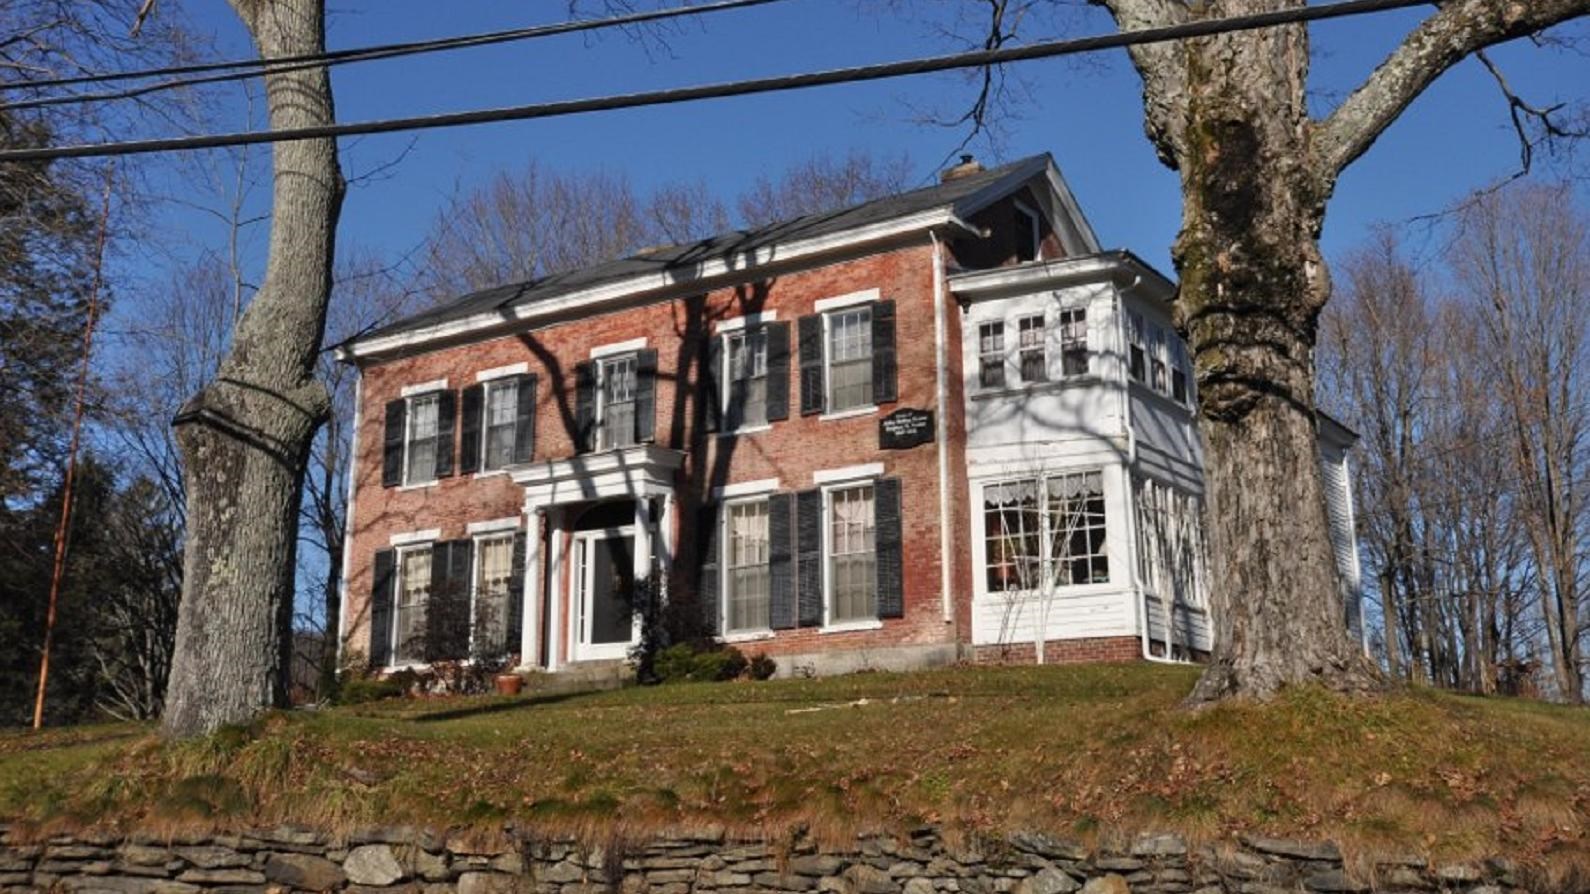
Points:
x=246 y=435
x=1523 y=262
x=821 y=184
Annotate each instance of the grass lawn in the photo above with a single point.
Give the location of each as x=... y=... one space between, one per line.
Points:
x=1086 y=751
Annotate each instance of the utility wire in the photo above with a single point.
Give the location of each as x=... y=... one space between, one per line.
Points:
x=781 y=83
x=256 y=67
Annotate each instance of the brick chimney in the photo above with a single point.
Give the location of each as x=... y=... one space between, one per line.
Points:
x=966 y=168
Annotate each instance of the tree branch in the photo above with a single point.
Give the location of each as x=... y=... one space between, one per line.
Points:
x=1162 y=67
x=1456 y=30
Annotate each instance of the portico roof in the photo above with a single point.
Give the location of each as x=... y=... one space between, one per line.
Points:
x=636 y=471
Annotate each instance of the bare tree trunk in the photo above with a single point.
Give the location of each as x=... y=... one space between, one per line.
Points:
x=246 y=435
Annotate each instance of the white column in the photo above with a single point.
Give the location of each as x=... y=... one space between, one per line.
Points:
x=530 y=634
x=642 y=538
x=666 y=533
x=560 y=594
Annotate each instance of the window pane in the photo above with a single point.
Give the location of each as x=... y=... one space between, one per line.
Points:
x=616 y=415
x=1074 y=341
x=1077 y=528
x=1157 y=360
x=853 y=560
x=1137 y=363
x=1034 y=362
x=502 y=410
x=493 y=577
x=414 y=584
x=748 y=578
x=422 y=438
x=850 y=359
x=1011 y=536
x=747 y=375
x=991 y=354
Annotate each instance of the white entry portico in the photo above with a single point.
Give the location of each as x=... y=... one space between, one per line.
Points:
x=567 y=571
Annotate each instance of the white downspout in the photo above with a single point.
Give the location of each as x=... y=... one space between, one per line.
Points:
x=941 y=355
x=1138 y=590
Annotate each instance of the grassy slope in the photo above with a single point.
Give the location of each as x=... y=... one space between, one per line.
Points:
x=1080 y=750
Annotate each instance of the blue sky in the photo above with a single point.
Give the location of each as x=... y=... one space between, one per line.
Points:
x=1087 y=113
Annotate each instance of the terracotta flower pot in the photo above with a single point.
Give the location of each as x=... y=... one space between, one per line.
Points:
x=509 y=684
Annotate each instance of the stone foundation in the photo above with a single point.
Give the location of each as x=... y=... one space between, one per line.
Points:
x=410 y=861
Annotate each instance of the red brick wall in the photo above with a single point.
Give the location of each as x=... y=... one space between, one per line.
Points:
x=790 y=451
x=1065 y=651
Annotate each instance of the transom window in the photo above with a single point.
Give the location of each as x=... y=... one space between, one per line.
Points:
x=1074 y=341
x=413 y=591
x=747 y=379
x=615 y=412
x=420 y=442
x=1034 y=361
x=1045 y=532
x=991 y=354
x=748 y=584
x=502 y=411
x=493 y=590
x=849 y=358
x=853 y=560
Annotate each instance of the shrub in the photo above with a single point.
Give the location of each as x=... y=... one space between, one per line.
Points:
x=762 y=667
x=358 y=690
x=684 y=662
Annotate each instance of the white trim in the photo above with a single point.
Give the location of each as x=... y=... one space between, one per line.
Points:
x=733 y=267
x=847 y=473
x=1037 y=226
x=497 y=372
x=620 y=347
x=747 y=430
x=419 y=388
x=736 y=323
x=849 y=626
x=507 y=523
x=865 y=296
x=869 y=410
x=745 y=488
x=748 y=636
x=491 y=473
x=941 y=399
x=347 y=516
x=412 y=538
x=418 y=485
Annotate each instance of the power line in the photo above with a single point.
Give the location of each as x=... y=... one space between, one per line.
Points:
x=879 y=71
x=260 y=67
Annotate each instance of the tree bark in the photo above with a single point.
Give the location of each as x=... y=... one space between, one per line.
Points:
x=1229 y=113
x=246 y=435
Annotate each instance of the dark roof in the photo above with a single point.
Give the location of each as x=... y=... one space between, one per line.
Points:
x=722 y=245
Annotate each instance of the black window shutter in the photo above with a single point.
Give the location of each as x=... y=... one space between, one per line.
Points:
x=446 y=416
x=886 y=521
x=645 y=396
x=584 y=407
x=524 y=425
x=383 y=577
x=708 y=579
x=885 y=390
x=811 y=351
x=392 y=447
x=515 y=626
x=447 y=605
x=781 y=560
x=470 y=402
x=777 y=371
x=711 y=390
x=809 y=552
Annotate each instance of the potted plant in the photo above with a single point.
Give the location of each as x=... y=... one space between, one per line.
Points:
x=508 y=683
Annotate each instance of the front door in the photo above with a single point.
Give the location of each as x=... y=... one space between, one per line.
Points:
x=604 y=577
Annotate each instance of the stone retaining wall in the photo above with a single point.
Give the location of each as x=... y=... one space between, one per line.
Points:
x=411 y=861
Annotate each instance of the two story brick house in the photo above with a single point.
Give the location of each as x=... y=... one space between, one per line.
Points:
x=941 y=425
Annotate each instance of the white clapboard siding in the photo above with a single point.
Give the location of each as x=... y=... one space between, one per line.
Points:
x=1191 y=630
x=1339 y=507
x=998 y=620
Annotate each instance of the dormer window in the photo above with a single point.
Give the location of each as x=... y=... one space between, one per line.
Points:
x=1028 y=234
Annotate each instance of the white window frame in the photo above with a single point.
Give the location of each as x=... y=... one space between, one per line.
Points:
x=726 y=535
x=1042 y=348
x=984 y=355
x=486 y=388
x=1181 y=362
x=828 y=488
x=1158 y=360
x=600 y=403
x=408 y=434
x=1136 y=339
x=477 y=543
x=397 y=662
x=828 y=361
x=726 y=382
x=1048 y=560
x=1069 y=344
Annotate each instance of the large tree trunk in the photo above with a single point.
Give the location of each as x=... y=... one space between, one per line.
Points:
x=245 y=436
x=1253 y=284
